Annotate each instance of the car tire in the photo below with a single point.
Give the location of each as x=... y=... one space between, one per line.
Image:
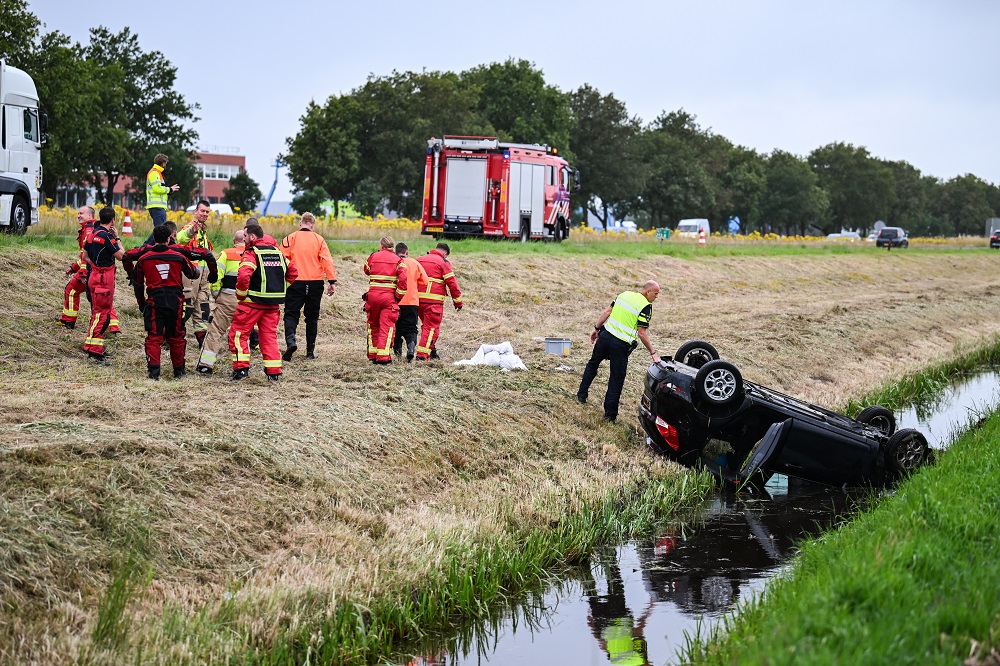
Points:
x=879 y=418
x=19 y=216
x=696 y=353
x=905 y=452
x=719 y=383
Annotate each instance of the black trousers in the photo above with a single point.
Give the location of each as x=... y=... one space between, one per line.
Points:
x=406 y=329
x=610 y=348
x=308 y=294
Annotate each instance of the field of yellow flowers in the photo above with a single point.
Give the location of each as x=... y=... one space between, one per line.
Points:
x=62 y=221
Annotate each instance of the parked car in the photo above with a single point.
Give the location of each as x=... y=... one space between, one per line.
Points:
x=691 y=228
x=871 y=237
x=698 y=410
x=844 y=236
x=891 y=237
x=995 y=239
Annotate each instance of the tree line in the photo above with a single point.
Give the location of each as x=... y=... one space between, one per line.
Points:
x=368 y=147
x=112 y=107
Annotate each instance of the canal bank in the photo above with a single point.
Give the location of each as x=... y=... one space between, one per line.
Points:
x=686 y=578
x=912 y=580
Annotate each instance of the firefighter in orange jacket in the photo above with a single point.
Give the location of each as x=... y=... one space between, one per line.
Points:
x=311 y=256
x=261 y=284
x=409 y=305
x=440 y=282
x=386 y=286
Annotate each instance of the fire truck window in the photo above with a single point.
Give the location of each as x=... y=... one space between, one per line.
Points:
x=550 y=175
x=564 y=177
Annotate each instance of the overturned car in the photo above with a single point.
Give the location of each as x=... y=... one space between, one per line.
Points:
x=697 y=409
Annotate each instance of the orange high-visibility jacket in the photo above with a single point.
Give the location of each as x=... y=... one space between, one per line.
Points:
x=416 y=281
x=310 y=254
x=440 y=279
x=385 y=270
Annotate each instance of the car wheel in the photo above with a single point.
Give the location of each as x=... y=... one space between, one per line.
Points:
x=696 y=353
x=719 y=383
x=878 y=417
x=19 y=214
x=905 y=451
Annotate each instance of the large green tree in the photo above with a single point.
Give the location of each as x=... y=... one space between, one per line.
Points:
x=860 y=187
x=964 y=201
x=514 y=98
x=745 y=185
x=326 y=152
x=793 y=200
x=678 y=184
x=604 y=140
x=143 y=113
x=69 y=87
x=243 y=193
x=18 y=34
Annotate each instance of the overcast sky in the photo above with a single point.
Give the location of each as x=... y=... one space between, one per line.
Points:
x=910 y=80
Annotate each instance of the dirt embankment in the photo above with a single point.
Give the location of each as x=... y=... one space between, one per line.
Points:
x=342 y=479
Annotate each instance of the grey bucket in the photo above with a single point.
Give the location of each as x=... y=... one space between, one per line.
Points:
x=558 y=346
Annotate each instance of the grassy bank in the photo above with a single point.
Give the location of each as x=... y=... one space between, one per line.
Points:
x=913 y=580
x=195 y=520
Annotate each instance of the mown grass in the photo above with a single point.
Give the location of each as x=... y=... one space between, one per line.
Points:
x=270 y=508
x=913 y=580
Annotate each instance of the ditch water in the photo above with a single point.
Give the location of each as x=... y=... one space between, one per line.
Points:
x=635 y=603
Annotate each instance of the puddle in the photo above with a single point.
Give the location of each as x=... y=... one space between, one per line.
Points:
x=635 y=602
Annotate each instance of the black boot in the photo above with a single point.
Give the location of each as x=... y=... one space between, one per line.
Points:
x=179 y=371
x=154 y=373
x=242 y=373
x=290 y=347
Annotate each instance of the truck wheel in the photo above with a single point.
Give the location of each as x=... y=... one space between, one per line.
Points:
x=905 y=451
x=878 y=417
x=19 y=216
x=560 y=230
x=696 y=353
x=525 y=233
x=719 y=383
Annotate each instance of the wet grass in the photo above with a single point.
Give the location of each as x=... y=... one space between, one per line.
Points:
x=911 y=581
x=473 y=581
x=929 y=382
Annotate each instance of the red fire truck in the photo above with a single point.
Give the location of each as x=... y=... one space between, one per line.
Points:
x=479 y=186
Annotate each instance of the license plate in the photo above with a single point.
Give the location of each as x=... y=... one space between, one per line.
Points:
x=434 y=230
x=644 y=401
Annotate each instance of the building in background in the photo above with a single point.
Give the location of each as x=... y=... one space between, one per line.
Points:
x=216 y=165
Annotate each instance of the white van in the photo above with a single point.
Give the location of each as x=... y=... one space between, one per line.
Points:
x=692 y=227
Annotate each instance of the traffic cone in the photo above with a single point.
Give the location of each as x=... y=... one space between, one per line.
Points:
x=701 y=237
x=127 y=223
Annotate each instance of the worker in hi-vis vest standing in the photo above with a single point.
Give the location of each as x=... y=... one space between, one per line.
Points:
x=157 y=191
x=617 y=332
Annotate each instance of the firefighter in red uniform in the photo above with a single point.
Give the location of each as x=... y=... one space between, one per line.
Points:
x=261 y=283
x=77 y=271
x=160 y=271
x=194 y=256
x=103 y=249
x=386 y=286
x=440 y=282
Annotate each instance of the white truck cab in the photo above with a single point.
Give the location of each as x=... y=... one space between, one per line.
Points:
x=23 y=132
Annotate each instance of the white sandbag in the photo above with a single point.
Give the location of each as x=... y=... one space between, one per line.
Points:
x=501 y=355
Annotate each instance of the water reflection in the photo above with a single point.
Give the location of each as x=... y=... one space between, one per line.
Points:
x=635 y=602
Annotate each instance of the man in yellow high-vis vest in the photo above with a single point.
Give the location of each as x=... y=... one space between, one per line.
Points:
x=157 y=190
x=617 y=332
